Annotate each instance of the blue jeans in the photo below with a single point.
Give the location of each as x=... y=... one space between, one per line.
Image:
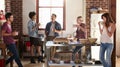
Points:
x=77 y=49
x=108 y=48
x=12 y=48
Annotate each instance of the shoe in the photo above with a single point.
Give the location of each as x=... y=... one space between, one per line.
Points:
x=40 y=59
x=79 y=66
x=73 y=66
x=32 y=60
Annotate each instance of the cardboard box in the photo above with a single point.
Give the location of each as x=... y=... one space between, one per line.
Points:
x=2 y=62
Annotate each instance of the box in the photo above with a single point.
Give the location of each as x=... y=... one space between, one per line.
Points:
x=2 y=62
x=27 y=44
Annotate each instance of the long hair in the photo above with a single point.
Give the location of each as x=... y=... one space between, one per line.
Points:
x=108 y=19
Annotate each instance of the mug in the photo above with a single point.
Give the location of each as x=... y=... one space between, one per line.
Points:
x=16 y=33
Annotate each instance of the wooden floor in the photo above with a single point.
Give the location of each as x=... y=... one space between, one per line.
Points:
x=26 y=63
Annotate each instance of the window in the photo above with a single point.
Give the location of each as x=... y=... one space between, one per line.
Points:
x=47 y=7
x=2 y=5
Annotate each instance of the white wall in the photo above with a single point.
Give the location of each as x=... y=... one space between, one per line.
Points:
x=2 y=5
x=28 y=5
x=74 y=8
x=118 y=29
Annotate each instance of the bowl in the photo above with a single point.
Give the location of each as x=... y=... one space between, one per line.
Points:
x=92 y=40
x=83 y=41
x=61 y=62
x=60 y=40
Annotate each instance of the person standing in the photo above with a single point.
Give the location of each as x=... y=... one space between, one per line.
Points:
x=52 y=28
x=80 y=34
x=34 y=37
x=106 y=39
x=8 y=34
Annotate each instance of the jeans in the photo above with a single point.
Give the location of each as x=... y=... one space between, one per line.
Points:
x=108 y=48
x=77 y=49
x=12 y=48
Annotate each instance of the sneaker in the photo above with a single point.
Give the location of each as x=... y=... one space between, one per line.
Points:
x=40 y=59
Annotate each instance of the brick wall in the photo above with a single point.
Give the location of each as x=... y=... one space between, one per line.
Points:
x=94 y=3
x=15 y=6
x=7 y=5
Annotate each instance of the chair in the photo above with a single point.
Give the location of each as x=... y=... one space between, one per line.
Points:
x=3 y=48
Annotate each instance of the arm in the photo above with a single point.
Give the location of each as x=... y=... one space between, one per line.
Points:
x=36 y=26
x=6 y=34
x=32 y=27
x=110 y=33
x=100 y=28
x=4 y=28
x=58 y=30
x=86 y=33
x=83 y=28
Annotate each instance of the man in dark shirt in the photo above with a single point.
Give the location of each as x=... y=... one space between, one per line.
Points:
x=8 y=34
x=52 y=28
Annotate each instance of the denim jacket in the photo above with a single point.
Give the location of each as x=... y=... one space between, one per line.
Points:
x=57 y=27
x=31 y=32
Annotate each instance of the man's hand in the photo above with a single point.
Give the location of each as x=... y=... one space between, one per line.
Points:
x=15 y=33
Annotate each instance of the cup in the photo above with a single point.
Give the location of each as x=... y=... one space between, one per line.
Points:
x=16 y=33
x=61 y=62
x=51 y=61
x=75 y=25
x=71 y=62
x=101 y=22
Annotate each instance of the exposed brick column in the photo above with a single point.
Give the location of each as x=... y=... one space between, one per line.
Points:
x=8 y=5
x=16 y=9
x=15 y=6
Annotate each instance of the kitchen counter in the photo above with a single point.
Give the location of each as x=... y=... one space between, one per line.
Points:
x=50 y=44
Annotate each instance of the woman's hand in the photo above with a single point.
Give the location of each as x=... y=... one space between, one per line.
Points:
x=75 y=25
x=99 y=23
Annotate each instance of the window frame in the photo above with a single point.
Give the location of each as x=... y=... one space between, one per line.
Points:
x=64 y=14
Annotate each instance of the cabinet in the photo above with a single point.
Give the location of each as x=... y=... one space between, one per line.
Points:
x=25 y=51
x=50 y=44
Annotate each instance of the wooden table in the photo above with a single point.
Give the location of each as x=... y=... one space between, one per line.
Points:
x=50 y=44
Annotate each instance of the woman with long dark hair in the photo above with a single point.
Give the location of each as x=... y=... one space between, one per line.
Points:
x=106 y=32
